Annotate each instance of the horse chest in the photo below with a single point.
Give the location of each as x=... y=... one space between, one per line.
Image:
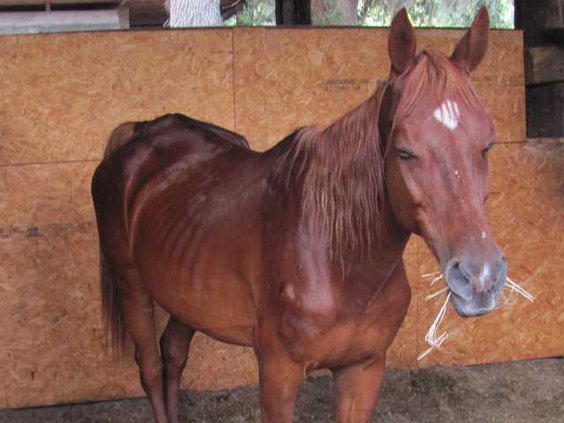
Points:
x=339 y=334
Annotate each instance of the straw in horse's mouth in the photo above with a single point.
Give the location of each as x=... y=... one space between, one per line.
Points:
x=436 y=341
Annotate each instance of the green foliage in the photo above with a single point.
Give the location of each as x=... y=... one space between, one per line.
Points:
x=256 y=13
x=436 y=13
x=332 y=16
x=423 y=13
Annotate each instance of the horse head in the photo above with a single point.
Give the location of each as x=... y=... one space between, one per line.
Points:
x=437 y=135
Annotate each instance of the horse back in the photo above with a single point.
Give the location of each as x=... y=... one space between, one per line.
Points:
x=137 y=152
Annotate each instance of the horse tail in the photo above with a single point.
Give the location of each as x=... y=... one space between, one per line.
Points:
x=112 y=312
x=102 y=195
x=119 y=137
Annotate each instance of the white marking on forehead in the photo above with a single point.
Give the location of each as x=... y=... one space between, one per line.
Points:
x=448 y=114
x=484 y=236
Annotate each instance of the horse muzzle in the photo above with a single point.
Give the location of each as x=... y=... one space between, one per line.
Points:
x=475 y=284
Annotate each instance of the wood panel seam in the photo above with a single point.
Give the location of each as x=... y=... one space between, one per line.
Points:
x=60 y=162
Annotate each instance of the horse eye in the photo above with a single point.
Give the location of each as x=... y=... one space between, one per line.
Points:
x=405 y=153
x=486 y=150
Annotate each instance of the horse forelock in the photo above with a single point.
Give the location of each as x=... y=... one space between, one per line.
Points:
x=435 y=75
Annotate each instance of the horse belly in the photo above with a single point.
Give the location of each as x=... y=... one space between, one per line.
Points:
x=216 y=304
x=206 y=287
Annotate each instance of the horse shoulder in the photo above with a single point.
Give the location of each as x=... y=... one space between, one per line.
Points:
x=308 y=294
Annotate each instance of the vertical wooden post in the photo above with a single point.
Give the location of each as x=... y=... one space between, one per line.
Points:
x=543 y=24
x=293 y=12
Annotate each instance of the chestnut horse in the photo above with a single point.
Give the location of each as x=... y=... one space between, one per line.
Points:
x=297 y=251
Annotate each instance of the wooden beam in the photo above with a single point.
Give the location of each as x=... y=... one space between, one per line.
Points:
x=63 y=21
x=544 y=64
x=545 y=110
x=547 y=143
x=147 y=13
x=12 y=3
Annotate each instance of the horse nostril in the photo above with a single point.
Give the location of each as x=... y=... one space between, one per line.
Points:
x=464 y=270
x=458 y=281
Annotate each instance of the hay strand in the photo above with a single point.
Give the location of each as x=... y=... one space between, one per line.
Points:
x=514 y=286
x=436 y=293
x=431 y=338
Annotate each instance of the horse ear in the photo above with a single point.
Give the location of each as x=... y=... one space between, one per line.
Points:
x=471 y=49
x=401 y=42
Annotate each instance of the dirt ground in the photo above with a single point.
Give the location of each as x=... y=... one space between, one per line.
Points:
x=518 y=392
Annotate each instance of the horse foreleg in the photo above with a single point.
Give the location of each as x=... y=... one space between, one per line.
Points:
x=175 y=343
x=279 y=382
x=357 y=389
x=139 y=320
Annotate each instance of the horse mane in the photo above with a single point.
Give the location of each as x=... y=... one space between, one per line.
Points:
x=341 y=174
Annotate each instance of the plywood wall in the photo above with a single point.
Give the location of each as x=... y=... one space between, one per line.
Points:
x=62 y=94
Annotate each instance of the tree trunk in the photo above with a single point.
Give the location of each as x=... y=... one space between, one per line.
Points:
x=191 y=13
x=293 y=12
x=334 y=12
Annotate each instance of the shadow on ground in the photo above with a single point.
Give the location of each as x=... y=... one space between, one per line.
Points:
x=518 y=392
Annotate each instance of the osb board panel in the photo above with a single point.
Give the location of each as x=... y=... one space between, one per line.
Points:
x=63 y=94
x=52 y=337
x=285 y=79
x=506 y=104
x=526 y=210
x=290 y=78
x=49 y=196
x=503 y=63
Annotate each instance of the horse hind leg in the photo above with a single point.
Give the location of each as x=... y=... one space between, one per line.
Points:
x=175 y=342
x=138 y=316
